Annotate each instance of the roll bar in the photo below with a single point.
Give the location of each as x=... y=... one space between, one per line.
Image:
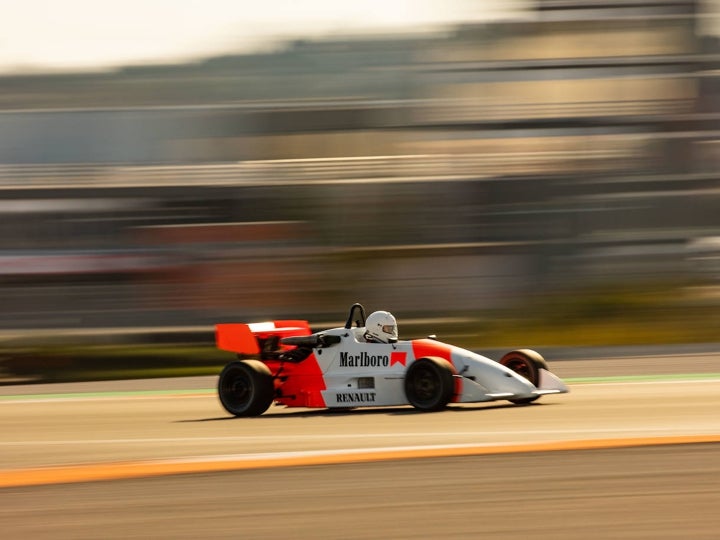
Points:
x=356 y=315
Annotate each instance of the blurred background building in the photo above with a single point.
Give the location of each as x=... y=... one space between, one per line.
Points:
x=429 y=174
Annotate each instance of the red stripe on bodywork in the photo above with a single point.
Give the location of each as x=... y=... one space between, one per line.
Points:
x=299 y=384
x=428 y=347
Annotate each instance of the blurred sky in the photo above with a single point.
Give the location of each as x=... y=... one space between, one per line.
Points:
x=40 y=35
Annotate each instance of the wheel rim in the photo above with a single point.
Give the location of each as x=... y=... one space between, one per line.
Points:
x=521 y=367
x=425 y=385
x=237 y=390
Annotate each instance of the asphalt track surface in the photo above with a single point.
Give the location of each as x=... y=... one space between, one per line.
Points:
x=631 y=452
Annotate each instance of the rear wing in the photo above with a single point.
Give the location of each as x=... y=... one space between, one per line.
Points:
x=254 y=338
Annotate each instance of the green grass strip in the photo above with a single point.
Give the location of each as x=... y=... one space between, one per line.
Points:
x=110 y=394
x=643 y=378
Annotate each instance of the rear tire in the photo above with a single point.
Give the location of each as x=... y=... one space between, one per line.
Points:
x=527 y=363
x=429 y=384
x=246 y=388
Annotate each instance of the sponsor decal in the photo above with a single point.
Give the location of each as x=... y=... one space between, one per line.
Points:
x=355 y=397
x=398 y=357
x=364 y=360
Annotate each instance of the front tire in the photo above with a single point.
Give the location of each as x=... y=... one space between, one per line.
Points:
x=526 y=363
x=246 y=388
x=429 y=384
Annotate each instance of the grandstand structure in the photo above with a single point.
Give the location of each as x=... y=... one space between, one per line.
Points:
x=464 y=171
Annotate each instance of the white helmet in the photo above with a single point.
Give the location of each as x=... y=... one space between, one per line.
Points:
x=381 y=326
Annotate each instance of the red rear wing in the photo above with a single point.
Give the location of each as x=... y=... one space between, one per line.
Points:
x=243 y=338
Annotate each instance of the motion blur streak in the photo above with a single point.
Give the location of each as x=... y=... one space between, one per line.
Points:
x=557 y=157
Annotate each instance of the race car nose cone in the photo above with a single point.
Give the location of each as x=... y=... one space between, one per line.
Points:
x=517 y=384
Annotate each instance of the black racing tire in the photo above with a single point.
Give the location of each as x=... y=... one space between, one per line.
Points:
x=246 y=388
x=429 y=384
x=527 y=363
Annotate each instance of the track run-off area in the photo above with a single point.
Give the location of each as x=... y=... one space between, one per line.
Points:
x=120 y=429
x=635 y=441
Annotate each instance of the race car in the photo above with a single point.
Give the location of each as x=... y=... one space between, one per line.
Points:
x=285 y=362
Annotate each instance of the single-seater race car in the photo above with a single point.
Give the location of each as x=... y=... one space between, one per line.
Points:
x=285 y=362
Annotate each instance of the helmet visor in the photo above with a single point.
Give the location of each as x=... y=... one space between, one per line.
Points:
x=389 y=329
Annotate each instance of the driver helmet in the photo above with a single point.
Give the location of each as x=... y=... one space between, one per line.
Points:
x=381 y=326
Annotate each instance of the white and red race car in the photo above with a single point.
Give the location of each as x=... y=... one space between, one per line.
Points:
x=284 y=362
